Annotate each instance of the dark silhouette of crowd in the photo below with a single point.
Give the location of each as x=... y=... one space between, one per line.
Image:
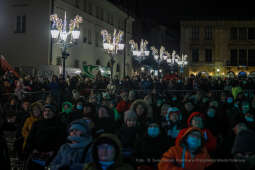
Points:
x=142 y=123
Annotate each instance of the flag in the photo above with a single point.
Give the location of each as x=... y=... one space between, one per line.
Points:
x=7 y=67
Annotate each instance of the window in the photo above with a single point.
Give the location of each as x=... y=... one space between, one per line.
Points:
x=243 y=57
x=58 y=61
x=242 y=33
x=208 y=55
x=233 y=34
x=233 y=57
x=76 y=63
x=90 y=8
x=97 y=62
x=208 y=33
x=84 y=36
x=195 y=33
x=97 y=12
x=195 y=55
x=251 y=33
x=111 y=20
x=21 y=24
x=251 y=57
x=118 y=68
x=102 y=14
x=89 y=37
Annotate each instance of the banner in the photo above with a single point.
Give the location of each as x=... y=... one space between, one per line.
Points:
x=7 y=67
x=92 y=70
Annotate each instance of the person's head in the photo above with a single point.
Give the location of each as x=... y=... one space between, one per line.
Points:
x=36 y=109
x=211 y=112
x=67 y=107
x=104 y=112
x=139 y=109
x=174 y=98
x=13 y=100
x=93 y=99
x=148 y=99
x=244 y=151
x=229 y=99
x=124 y=95
x=189 y=106
x=164 y=109
x=106 y=148
x=49 y=111
x=173 y=114
x=214 y=104
x=130 y=118
x=131 y=95
x=192 y=140
x=239 y=127
x=153 y=130
x=79 y=105
x=25 y=104
x=196 y=119
x=49 y=99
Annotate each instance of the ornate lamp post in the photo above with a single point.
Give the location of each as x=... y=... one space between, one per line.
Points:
x=112 y=44
x=159 y=56
x=182 y=62
x=63 y=36
x=141 y=54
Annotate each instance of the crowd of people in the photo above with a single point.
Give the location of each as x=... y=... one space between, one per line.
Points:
x=136 y=123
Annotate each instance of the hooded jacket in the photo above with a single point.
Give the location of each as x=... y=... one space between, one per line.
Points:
x=211 y=141
x=148 y=113
x=29 y=122
x=118 y=163
x=72 y=157
x=173 y=158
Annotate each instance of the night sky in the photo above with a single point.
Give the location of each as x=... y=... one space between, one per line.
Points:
x=170 y=12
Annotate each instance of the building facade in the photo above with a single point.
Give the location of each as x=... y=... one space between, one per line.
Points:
x=27 y=39
x=219 y=47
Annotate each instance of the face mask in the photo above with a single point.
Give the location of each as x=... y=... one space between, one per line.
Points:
x=229 y=100
x=153 y=131
x=193 y=142
x=211 y=113
x=79 y=107
x=245 y=109
x=173 y=133
x=249 y=119
x=174 y=99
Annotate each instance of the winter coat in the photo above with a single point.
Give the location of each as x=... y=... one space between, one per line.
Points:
x=46 y=135
x=211 y=141
x=74 y=158
x=118 y=163
x=172 y=159
x=27 y=128
x=147 y=117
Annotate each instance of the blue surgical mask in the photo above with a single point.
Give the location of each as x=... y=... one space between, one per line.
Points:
x=79 y=107
x=193 y=142
x=153 y=131
x=174 y=99
x=229 y=100
x=249 y=119
x=211 y=113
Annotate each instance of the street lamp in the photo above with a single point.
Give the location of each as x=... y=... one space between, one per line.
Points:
x=63 y=36
x=159 y=56
x=142 y=53
x=112 y=44
x=182 y=62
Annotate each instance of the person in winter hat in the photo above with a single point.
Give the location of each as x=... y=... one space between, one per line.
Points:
x=77 y=151
x=197 y=119
x=189 y=152
x=67 y=108
x=106 y=152
x=35 y=115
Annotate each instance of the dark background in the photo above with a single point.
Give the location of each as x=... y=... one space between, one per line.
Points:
x=169 y=12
